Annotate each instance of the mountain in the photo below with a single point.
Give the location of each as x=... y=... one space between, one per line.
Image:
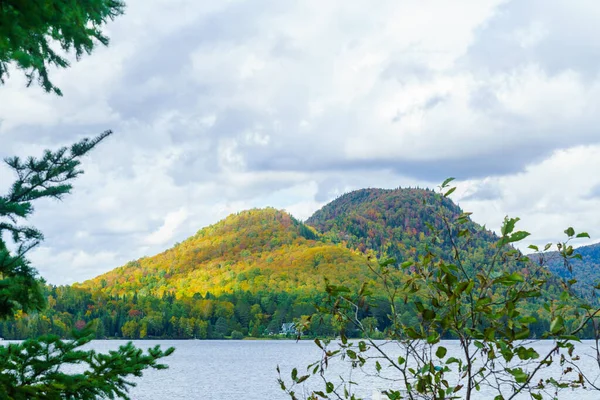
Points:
x=585 y=270
x=255 y=250
x=268 y=249
x=395 y=223
x=255 y=270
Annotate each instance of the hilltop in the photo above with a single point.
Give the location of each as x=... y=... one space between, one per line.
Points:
x=254 y=250
x=397 y=223
x=269 y=250
x=585 y=270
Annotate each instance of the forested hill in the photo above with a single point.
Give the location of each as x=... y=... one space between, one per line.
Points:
x=269 y=250
x=255 y=250
x=255 y=270
x=586 y=270
x=395 y=223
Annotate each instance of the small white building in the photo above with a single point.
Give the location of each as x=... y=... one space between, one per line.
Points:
x=288 y=328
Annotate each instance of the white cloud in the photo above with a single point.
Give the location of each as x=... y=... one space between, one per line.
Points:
x=165 y=233
x=548 y=197
x=222 y=106
x=71 y=266
x=532 y=35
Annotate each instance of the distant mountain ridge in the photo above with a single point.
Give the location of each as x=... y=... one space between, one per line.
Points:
x=585 y=270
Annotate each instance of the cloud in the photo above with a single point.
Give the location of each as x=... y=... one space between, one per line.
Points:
x=594 y=192
x=70 y=266
x=162 y=235
x=228 y=105
x=551 y=34
x=484 y=190
x=548 y=196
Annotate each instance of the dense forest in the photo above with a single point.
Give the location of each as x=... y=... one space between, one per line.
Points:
x=235 y=314
x=257 y=270
x=586 y=270
x=399 y=223
x=255 y=250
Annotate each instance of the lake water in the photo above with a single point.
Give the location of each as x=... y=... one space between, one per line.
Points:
x=245 y=369
x=220 y=369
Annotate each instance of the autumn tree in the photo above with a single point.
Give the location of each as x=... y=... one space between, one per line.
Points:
x=488 y=308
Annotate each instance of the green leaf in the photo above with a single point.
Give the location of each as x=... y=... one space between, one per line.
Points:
x=446 y=182
x=510 y=279
x=519 y=374
x=518 y=236
x=583 y=235
x=509 y=225
x=387 y=262
x=515 y=277
x=557 y=324
x=362 y=346
x=522 y=334
x=527 y=353
x=528 y=320
x=441 y=352
x=433 y=338
x=449 y=192
x=421 y=385
x=463 y=232
x=329 y=387
x=428 y=315
x=570 y=232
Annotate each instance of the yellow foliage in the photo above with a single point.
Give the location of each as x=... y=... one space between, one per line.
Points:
x=255 y=250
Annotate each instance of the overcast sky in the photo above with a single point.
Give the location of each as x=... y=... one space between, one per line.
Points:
x=220 y=106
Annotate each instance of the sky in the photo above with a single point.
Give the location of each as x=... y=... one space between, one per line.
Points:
x=221 y=106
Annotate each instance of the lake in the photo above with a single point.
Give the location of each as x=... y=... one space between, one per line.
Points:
x=245 y=369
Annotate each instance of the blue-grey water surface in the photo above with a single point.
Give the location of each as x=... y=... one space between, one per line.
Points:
x=246 y=369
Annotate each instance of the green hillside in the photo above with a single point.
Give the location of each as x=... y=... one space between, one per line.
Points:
x=586 y=270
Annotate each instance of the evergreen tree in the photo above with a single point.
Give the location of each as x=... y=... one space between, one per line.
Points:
x=35 y=369
x=30 y=33
x=32 y=30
